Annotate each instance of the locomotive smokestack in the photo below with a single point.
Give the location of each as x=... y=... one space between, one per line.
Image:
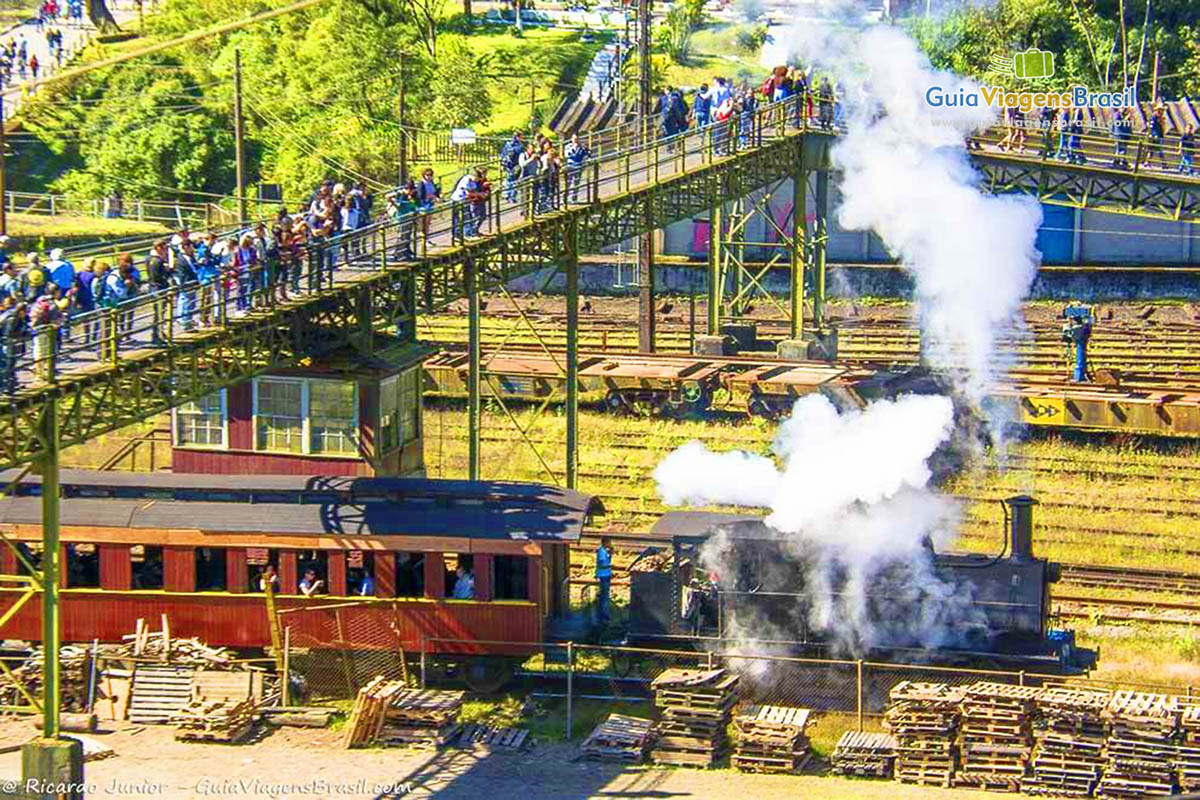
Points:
x=1021 y=532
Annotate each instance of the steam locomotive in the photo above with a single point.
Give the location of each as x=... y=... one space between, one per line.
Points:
x=1001 y=604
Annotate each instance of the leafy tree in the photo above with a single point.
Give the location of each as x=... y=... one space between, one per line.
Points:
x=457 y=100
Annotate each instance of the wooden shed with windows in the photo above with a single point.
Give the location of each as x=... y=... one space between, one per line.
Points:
x=348 y=414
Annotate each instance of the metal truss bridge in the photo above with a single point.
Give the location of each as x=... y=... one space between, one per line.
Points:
x=357 y=286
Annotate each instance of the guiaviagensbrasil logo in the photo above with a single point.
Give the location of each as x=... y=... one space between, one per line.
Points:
x=1031 y=64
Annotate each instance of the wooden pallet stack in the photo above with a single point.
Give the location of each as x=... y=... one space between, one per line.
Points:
x=865 y=755
x=369 y=712
x=996 y=735
x=694 y=707
x=924 y=719
x=771 y=739
x=1141 y=745
x=1187 y=762
x=214 y=720
x=427 y=717
x=619 y=738
x=1069 y=734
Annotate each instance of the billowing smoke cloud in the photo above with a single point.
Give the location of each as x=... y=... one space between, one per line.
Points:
x=905 y=175
x=851 y=495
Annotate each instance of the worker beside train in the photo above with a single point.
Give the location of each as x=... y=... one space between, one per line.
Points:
x=604 y=579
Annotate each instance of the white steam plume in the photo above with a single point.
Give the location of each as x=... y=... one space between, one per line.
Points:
x=905 y=175
x=852 y=498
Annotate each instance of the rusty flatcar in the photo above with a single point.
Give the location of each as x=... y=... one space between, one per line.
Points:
x=195 y=548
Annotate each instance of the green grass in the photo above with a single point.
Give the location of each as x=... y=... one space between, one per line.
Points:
x=715 y=52
x=33 y=226
x=552 y=61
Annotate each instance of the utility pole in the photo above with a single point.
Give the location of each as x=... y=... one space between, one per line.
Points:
x=644 y=67
x=239 y=136
x=3 y=182
x=646 y=300
x=401 y=113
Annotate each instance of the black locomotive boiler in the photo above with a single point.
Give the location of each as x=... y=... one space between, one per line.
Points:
x=999 y=605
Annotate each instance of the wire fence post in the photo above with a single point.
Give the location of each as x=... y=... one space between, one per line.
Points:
x=570 y=689
x=422 y=662
x=1021 y=678
x=285 y=686
x=862 y=701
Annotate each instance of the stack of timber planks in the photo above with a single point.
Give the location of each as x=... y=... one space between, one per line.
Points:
x=924 y=719
x=1187 y=763
x=1141 y=745
x=1069 y=735
x=694 y=707
x=619 y=738
x=866 y=755
x=368 y=715
x=427 y=717
x=158 y=692
x=771 y=739
x=996 y=735
x=214 y=720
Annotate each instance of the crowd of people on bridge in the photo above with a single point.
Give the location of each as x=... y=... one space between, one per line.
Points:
x=189 y=280
x=1068 y=135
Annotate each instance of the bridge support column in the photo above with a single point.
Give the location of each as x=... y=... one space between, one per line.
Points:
x=646 y=289
x=473 y=369
x=49 y=760
x=820 y=245
x=799 y=260
x=715 y=278
x=570 y=265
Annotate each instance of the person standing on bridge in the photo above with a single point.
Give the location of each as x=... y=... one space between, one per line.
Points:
x=702 y=106
x=577 y=155
x=184 y=276
x=510 y=162
x=1157 y=130
x=1187 y=150
x=13 y=330
x=85 y=301
x=158 y=278
x=604 y=579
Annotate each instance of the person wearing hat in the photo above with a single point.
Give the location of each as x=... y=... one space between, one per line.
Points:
x=34 y=278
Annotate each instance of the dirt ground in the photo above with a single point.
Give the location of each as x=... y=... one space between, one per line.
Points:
x=150 y=763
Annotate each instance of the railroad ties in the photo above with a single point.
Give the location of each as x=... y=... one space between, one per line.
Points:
x=1069 y=735
x=695 y=706
x=1140 y=747
x=924 y=719
x=771 y=739
x=865 y=755
x=619 y=738
x=996 y=734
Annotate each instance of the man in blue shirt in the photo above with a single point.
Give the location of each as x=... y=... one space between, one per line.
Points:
x=604 y=577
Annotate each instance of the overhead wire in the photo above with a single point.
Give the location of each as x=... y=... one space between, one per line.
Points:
x=306 y=144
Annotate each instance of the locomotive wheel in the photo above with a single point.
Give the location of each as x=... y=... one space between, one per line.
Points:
x=758 y=408
x=487 y=675
x=615 y=402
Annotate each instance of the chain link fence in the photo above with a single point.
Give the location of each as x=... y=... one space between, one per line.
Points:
x=323 y=662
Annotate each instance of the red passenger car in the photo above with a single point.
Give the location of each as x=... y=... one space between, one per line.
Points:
x=391 y=552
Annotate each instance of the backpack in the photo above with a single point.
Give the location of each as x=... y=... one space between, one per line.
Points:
x=510 y=157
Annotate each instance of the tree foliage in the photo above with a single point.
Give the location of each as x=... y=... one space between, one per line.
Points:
x=1085 y=37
